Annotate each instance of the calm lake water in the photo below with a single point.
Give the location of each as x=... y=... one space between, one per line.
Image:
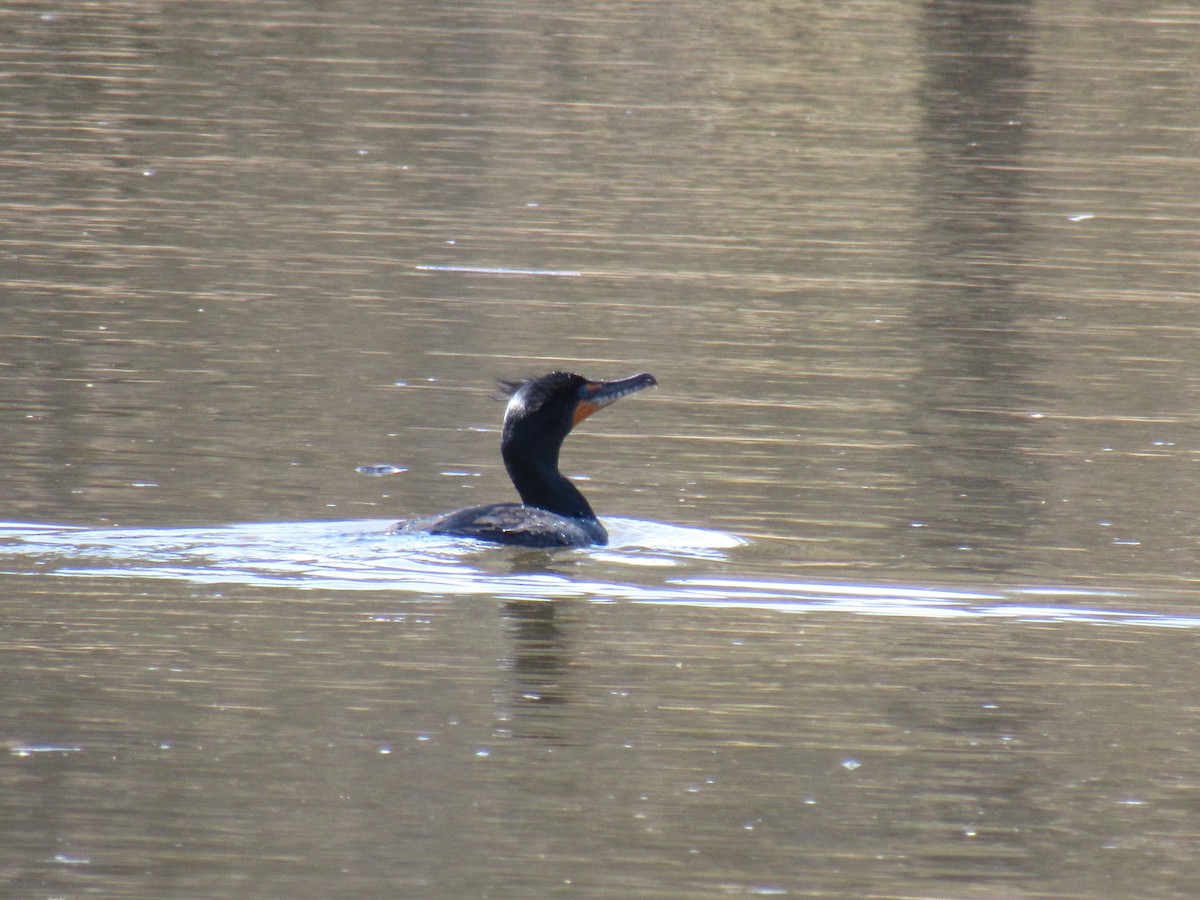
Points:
x=903 y=598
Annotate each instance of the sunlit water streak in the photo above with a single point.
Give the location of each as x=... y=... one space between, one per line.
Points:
x=361 y=556
x=500 y=270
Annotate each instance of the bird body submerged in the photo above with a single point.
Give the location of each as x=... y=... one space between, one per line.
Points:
x=512 y=523
x=553 y=513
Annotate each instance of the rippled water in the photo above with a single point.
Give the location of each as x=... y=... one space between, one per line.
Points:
x=362 y=555
x=901 y=594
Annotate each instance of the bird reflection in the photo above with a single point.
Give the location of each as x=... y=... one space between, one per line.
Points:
x=540 y=661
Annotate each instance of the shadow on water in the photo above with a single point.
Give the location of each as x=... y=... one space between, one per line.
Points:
x=976 y=388
x=361 y=556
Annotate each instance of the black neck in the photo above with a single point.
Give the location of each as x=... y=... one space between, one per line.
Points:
x=538 y=481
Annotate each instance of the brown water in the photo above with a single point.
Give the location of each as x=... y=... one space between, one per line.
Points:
x=901 y=600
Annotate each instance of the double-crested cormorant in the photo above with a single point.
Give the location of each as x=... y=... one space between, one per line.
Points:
x=552 y=513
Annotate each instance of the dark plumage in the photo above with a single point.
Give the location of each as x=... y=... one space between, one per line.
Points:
x=552 y=513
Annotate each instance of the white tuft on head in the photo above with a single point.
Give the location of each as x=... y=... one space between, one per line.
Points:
x=517 y=404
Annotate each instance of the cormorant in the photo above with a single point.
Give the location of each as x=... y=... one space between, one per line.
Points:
x=552 y=513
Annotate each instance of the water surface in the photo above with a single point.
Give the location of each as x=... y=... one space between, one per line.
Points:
x=901 y=597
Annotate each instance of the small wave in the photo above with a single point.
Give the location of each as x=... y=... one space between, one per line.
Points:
x=364 y=556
